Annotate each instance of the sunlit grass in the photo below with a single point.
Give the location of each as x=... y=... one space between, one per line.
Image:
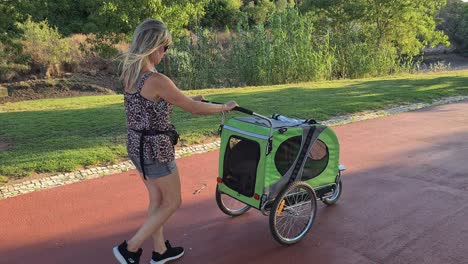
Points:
x=58 y=135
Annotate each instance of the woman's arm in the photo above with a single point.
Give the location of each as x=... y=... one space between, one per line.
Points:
x=159 y=85
x=198 y=98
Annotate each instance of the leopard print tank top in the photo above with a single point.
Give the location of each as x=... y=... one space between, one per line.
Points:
x=144 y=114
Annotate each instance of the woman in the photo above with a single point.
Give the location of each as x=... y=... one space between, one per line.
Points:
x=149 y=97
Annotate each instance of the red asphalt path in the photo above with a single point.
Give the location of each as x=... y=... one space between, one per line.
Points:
x=405 y=200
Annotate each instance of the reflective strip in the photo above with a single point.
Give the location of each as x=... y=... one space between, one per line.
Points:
x=245 y=132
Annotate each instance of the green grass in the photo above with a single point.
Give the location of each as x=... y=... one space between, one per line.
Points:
x=59 y=135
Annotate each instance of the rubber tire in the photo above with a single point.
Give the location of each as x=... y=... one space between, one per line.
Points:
x=277 y=203
x=328 y=201
x=226 y=210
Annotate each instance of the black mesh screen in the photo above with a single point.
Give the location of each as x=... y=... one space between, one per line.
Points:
x=317 y=160
x=287 y=153
x=240 y=165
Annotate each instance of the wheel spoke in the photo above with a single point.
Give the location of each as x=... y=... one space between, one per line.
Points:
x=297 y=214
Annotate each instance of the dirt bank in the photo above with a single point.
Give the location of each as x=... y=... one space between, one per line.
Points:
x=52 y=88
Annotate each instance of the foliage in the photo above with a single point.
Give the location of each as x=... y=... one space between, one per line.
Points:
x=259 y=11
x=12 y=62
x=44 y=45
x=220 y=14
x=113 y=16
x=265 y=41
x=197 y=61
x=8 y=16
x=111 y=21
x=455 y=23
x=290 y=49
x=285 y=51
x=407 y=25
x=282 y=5
x=68 y=16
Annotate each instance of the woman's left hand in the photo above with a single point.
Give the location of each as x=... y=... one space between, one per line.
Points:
x=198 y=98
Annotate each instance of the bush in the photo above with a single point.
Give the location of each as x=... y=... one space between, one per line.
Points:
x=103 y=45
x=222 y=14
x=357 y=56
x=455 y=24
x=259 y=12
x=284 y=52
x=289 y=49
x=12 y=64
x=198 y=61
x=45 y=47
x=11 y=71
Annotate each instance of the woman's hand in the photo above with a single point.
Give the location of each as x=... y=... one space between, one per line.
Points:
x=229 y=106
x=198 y=98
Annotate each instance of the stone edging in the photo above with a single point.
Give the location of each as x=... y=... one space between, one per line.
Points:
x=72 y=177
x=86 y=174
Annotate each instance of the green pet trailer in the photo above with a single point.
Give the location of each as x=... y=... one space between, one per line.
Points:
x=280 y=166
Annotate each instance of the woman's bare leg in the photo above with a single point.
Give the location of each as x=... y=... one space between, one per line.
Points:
x=169 y=200
x=154 y=204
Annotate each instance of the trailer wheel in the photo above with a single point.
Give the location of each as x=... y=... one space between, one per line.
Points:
x=229 y=205
x=293 y=213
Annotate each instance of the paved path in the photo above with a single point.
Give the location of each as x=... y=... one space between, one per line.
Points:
x=405 y=200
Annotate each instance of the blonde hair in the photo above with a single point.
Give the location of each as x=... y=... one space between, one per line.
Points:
x=149 y=36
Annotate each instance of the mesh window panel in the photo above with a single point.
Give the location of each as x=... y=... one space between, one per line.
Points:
x=240 y=165
x=317 y=160
x=287 y=154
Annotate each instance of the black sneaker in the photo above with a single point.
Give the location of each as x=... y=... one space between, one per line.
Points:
x=170 y=254
x=126 y=257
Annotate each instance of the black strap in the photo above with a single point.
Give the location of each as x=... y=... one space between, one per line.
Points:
x=144 y=133
x=302 y=154
x=142 y=163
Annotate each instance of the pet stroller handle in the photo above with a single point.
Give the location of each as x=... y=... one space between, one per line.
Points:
x=237 y=108
x=244 y=110
x=248 y=112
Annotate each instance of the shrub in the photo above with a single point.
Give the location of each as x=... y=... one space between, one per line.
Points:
x=198 y=61
x=259 y=12
x=284 y=52
x=45 y=47
x=357 y=56
x=222 y=13
x=12 y=64
x=455 y=24
x=104 y=45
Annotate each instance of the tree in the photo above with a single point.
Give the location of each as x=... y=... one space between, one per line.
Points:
x=105 y=17
x=282 y=5
x=259 y=11
x=9 y=15
x=222 y=13
x=454 y=23
x=110 y=20
x=122 y=16
x=407 y=25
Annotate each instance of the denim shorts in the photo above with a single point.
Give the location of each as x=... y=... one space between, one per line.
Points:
x=155 y=169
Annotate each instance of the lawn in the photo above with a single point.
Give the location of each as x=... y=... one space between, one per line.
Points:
x=60 y=135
